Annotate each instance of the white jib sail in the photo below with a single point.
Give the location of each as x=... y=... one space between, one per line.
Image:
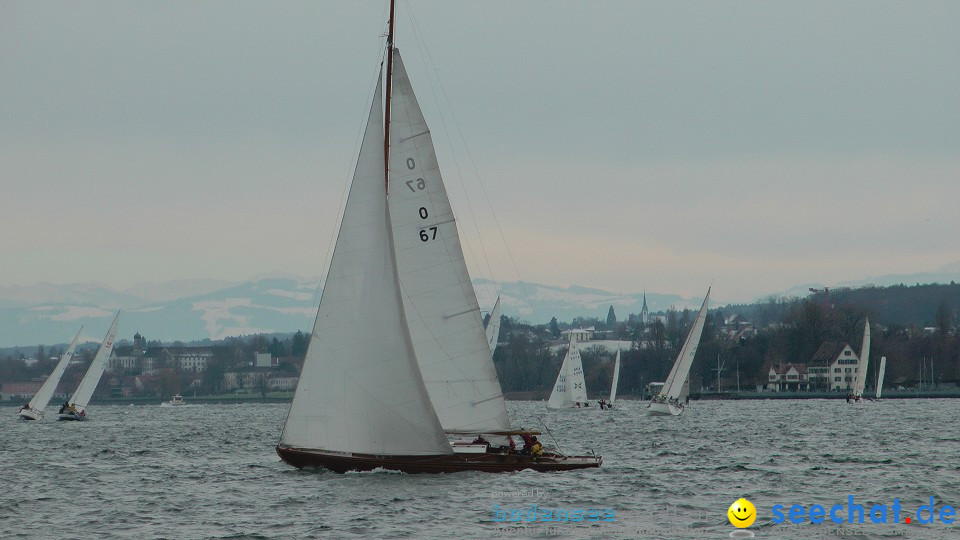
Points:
x=616 y=378
x=439 y=301
x=861 y=379
x=90 y=380
x=678 y=375
x=493 y=326
x=570 y=387
x=360 y=390
x=49 y=386
x=883 y=369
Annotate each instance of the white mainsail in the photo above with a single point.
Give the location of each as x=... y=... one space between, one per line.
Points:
x=493 y=326
x=673 y=388
x=861 y=379
x=360 y=390
x=89 y=382
x=42 y=397
x=570 y=387
x=441 y=307
x=883 y=369
x=616 y=378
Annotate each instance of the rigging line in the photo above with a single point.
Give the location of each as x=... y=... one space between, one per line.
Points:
x=547 y=429
x=428 y=63
x=486 y=197
x=334 y=232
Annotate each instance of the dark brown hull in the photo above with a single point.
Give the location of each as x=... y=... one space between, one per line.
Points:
x=490 y=462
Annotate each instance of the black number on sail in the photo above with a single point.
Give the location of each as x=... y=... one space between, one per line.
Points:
x=423 y=213
x=411 y=164
x=425 y=236
x=420 y=184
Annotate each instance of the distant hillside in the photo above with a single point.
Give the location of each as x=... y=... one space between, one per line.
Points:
x=902 y=305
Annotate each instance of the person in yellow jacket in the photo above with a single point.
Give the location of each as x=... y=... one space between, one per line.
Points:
x=536 y=450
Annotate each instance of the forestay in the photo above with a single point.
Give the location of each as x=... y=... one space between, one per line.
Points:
x=440 y=304
x=360 y=389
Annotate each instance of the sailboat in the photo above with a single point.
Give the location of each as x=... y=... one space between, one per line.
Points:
x=570 y=389
x=861 y=379
x=398 y=359
x=613 y=385
x=493 y=326
x=669 y=401
x=34 y=409
x=882 y=370
x=76 y=407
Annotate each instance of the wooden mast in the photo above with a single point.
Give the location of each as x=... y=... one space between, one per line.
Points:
x=386 y=111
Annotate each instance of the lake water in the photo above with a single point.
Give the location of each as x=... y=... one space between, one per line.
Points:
x=210 y=471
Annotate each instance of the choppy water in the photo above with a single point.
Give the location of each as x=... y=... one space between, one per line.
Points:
x=210 y=471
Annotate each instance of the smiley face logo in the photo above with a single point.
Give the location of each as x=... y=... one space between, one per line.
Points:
x=742 y=513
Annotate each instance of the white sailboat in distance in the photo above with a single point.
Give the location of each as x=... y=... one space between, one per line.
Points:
x=34 y=409
x=669 y=401
x=493 y=326
x=398 y=358
x=76 y=407
x=860 y=381
x=883 y=369
x=570 y=389
x=613 y=384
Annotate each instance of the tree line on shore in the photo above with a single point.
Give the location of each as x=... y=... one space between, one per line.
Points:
x=785 y=330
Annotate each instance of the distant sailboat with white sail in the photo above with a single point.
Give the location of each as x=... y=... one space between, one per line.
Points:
x=860 y=381
x=34 y=409
x=76 y=407
x=398 y=358
x=570 y=389
x=881 y=371
x=613 y=384
x=669 y=401
x=493 y=326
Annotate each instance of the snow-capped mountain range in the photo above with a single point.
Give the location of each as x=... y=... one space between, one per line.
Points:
x=188 y=310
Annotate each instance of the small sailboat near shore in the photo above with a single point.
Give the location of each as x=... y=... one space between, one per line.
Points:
x=669 y=401
x=34 y=409
x=570 y=389
x=76 y=406
x=860 y=381
x=880 y=373
x=613 y=384
x=398 y=360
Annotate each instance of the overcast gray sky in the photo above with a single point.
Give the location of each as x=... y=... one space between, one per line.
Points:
x=625 y=145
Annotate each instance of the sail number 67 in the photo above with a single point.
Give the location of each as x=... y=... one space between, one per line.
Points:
x=426 y=236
